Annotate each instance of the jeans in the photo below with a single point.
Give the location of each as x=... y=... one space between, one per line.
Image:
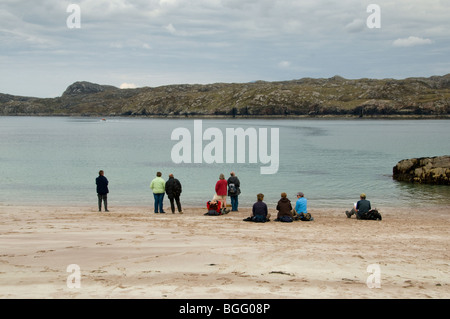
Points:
x=234 y=203
x=158 y=202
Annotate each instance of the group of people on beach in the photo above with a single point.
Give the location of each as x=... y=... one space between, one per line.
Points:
x=172 y=187
x=286 y=213
x=231 y=187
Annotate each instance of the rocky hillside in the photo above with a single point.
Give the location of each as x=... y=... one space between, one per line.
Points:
x=305 y=97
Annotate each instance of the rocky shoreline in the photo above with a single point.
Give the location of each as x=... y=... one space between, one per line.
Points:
x=304 y=98
x=424 y=170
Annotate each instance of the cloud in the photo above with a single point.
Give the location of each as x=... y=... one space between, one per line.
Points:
x=284 y=64
x=171 y=28
x=128 y=86
x=356 y=25
x=160 y=42
x=411 y=42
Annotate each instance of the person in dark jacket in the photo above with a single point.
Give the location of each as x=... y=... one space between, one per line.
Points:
x=102 y=190
x=260 y=212
x=173 y=191
x=234 y=190
x=284 y=208
x=362 y=207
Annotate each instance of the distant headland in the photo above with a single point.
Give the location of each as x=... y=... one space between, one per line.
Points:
x=336 y=96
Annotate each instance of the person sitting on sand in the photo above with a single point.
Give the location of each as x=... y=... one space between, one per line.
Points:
x=284 y=208
x=300 y=211
x=361 y=208
x=260 y=212
x=214 y=208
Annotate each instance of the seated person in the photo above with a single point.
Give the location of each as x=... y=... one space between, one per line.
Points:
x=362 y=207
x=260 y=212
x=214 y=208
x=284 y=208
x=300 y=211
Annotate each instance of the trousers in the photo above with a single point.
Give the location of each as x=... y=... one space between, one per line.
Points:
x=104 y=198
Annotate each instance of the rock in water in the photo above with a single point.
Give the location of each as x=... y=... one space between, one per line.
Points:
x=426 y=170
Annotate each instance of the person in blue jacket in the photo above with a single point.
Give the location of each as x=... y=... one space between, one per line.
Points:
x=301 y=210
x=102 y=190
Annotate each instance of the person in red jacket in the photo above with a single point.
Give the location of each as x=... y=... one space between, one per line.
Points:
x=221 y=191
x=214 y=208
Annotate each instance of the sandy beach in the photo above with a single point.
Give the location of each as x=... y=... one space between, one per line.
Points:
x=131 y=252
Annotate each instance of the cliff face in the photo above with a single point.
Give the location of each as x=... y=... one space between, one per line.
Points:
x=427 y=170
x=309 y=97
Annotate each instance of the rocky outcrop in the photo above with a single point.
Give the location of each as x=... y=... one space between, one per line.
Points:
x=79 y=88
x=335 y=96
x=426 y=170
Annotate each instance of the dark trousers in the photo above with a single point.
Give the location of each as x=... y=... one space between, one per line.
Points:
x=104 y=198
x=172 y=205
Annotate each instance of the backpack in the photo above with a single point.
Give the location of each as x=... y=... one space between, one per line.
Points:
x=232 y=189
x=285 y=219
x=372 y=215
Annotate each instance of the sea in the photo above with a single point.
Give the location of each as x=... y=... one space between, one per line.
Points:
x=55 y=160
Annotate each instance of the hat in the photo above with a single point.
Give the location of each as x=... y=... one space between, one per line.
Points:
x=300 y=194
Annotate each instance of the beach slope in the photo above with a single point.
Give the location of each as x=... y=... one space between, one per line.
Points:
x=130 y=252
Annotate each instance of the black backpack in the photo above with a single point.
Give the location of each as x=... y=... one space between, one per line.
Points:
x=372 y=215
x=286 y=219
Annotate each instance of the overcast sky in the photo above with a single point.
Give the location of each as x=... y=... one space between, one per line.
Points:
x=140 y=43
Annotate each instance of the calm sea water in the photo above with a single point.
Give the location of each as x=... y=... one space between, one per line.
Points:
x=55 y=160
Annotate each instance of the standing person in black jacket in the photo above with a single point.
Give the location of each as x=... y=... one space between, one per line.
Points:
x=173 y=191
x=102 y=190
x=234 y=190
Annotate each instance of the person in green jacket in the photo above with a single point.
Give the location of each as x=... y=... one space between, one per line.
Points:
x=158 y=187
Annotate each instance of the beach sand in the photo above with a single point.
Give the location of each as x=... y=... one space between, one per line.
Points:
x=131 y=252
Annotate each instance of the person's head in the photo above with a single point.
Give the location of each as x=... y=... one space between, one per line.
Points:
x=300 y=194
x=170 y=175
x=232 y=174
x=283 y=195
x=260 y=197
x=101 y=172
x=159 y=174
x=362 y=196
x=221 y=176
